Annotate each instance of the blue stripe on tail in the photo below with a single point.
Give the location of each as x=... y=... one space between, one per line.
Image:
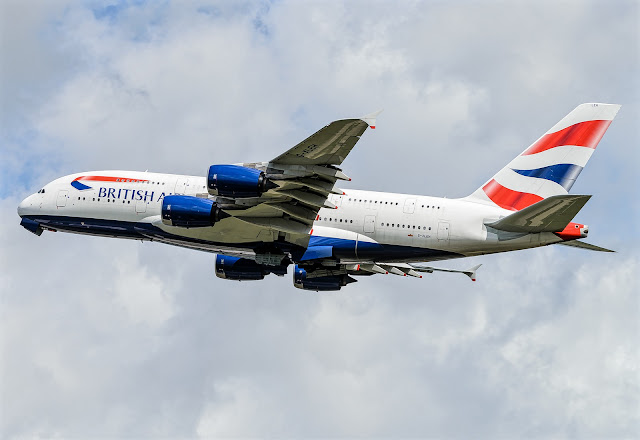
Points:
x=563 y=174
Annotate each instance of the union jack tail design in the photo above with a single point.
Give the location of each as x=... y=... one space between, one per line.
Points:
x=551 y=165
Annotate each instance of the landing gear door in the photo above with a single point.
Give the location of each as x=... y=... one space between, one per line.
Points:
x=61 y=201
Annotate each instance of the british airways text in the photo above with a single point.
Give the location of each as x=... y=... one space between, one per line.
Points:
x=131 y=194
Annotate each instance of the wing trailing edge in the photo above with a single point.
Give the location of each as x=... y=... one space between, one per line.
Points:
x=583 y=245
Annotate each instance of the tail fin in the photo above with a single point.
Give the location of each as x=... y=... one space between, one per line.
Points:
x=551 y=165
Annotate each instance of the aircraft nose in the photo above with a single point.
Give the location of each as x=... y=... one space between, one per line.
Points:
x=25 y=205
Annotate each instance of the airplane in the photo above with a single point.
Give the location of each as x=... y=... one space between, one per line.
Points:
x=261 y=217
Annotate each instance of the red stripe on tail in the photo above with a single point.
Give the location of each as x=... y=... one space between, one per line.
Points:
x=583 y=134
x=507 y=198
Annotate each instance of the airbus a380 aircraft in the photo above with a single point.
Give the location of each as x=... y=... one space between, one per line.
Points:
x=261 y=217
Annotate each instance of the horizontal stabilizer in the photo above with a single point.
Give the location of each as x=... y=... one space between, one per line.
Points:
x=583 y=245
x=552 y=214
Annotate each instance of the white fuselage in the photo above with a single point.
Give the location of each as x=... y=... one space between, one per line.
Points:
x=400 y=227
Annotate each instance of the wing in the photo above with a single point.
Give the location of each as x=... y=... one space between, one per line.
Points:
x=301 y=181
x=404 y=269
x=372 y=268
x=330 y=145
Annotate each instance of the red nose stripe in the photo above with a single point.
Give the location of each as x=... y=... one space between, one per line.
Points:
x=108 y=179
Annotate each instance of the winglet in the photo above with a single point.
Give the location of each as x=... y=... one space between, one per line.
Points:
x=371 y=118
x=471 y=273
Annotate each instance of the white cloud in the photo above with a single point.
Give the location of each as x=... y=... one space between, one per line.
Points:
x=117 y=338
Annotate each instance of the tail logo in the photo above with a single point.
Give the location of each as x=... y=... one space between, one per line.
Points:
x=551 y=165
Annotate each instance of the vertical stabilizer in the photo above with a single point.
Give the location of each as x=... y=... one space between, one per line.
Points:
x=551 y=165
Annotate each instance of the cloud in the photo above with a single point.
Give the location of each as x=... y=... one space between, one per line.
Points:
x=117 y=338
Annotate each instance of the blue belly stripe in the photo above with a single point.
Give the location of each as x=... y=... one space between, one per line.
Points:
x=341 y=248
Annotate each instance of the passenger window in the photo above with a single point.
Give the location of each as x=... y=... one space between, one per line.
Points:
x=418 y=227
x=351 y=221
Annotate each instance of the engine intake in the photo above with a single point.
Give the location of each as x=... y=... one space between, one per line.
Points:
x=306 y=281
x=237 y=181
x=190 y=212
x=242 y=269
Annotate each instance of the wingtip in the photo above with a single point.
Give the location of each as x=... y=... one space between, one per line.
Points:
x=370 y=119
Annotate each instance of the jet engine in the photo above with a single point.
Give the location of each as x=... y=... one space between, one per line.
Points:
x=190 y=212
x=306 y=281
x=241 y=269
x=237 y=181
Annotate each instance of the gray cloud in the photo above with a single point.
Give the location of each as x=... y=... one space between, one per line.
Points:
x=114 y=338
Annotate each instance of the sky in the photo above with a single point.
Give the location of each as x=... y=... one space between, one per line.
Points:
x=122 y=339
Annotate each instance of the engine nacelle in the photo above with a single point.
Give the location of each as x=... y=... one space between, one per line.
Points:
x=190 y=212
x=301 y=280
x=236 y=181
x=241 y=269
